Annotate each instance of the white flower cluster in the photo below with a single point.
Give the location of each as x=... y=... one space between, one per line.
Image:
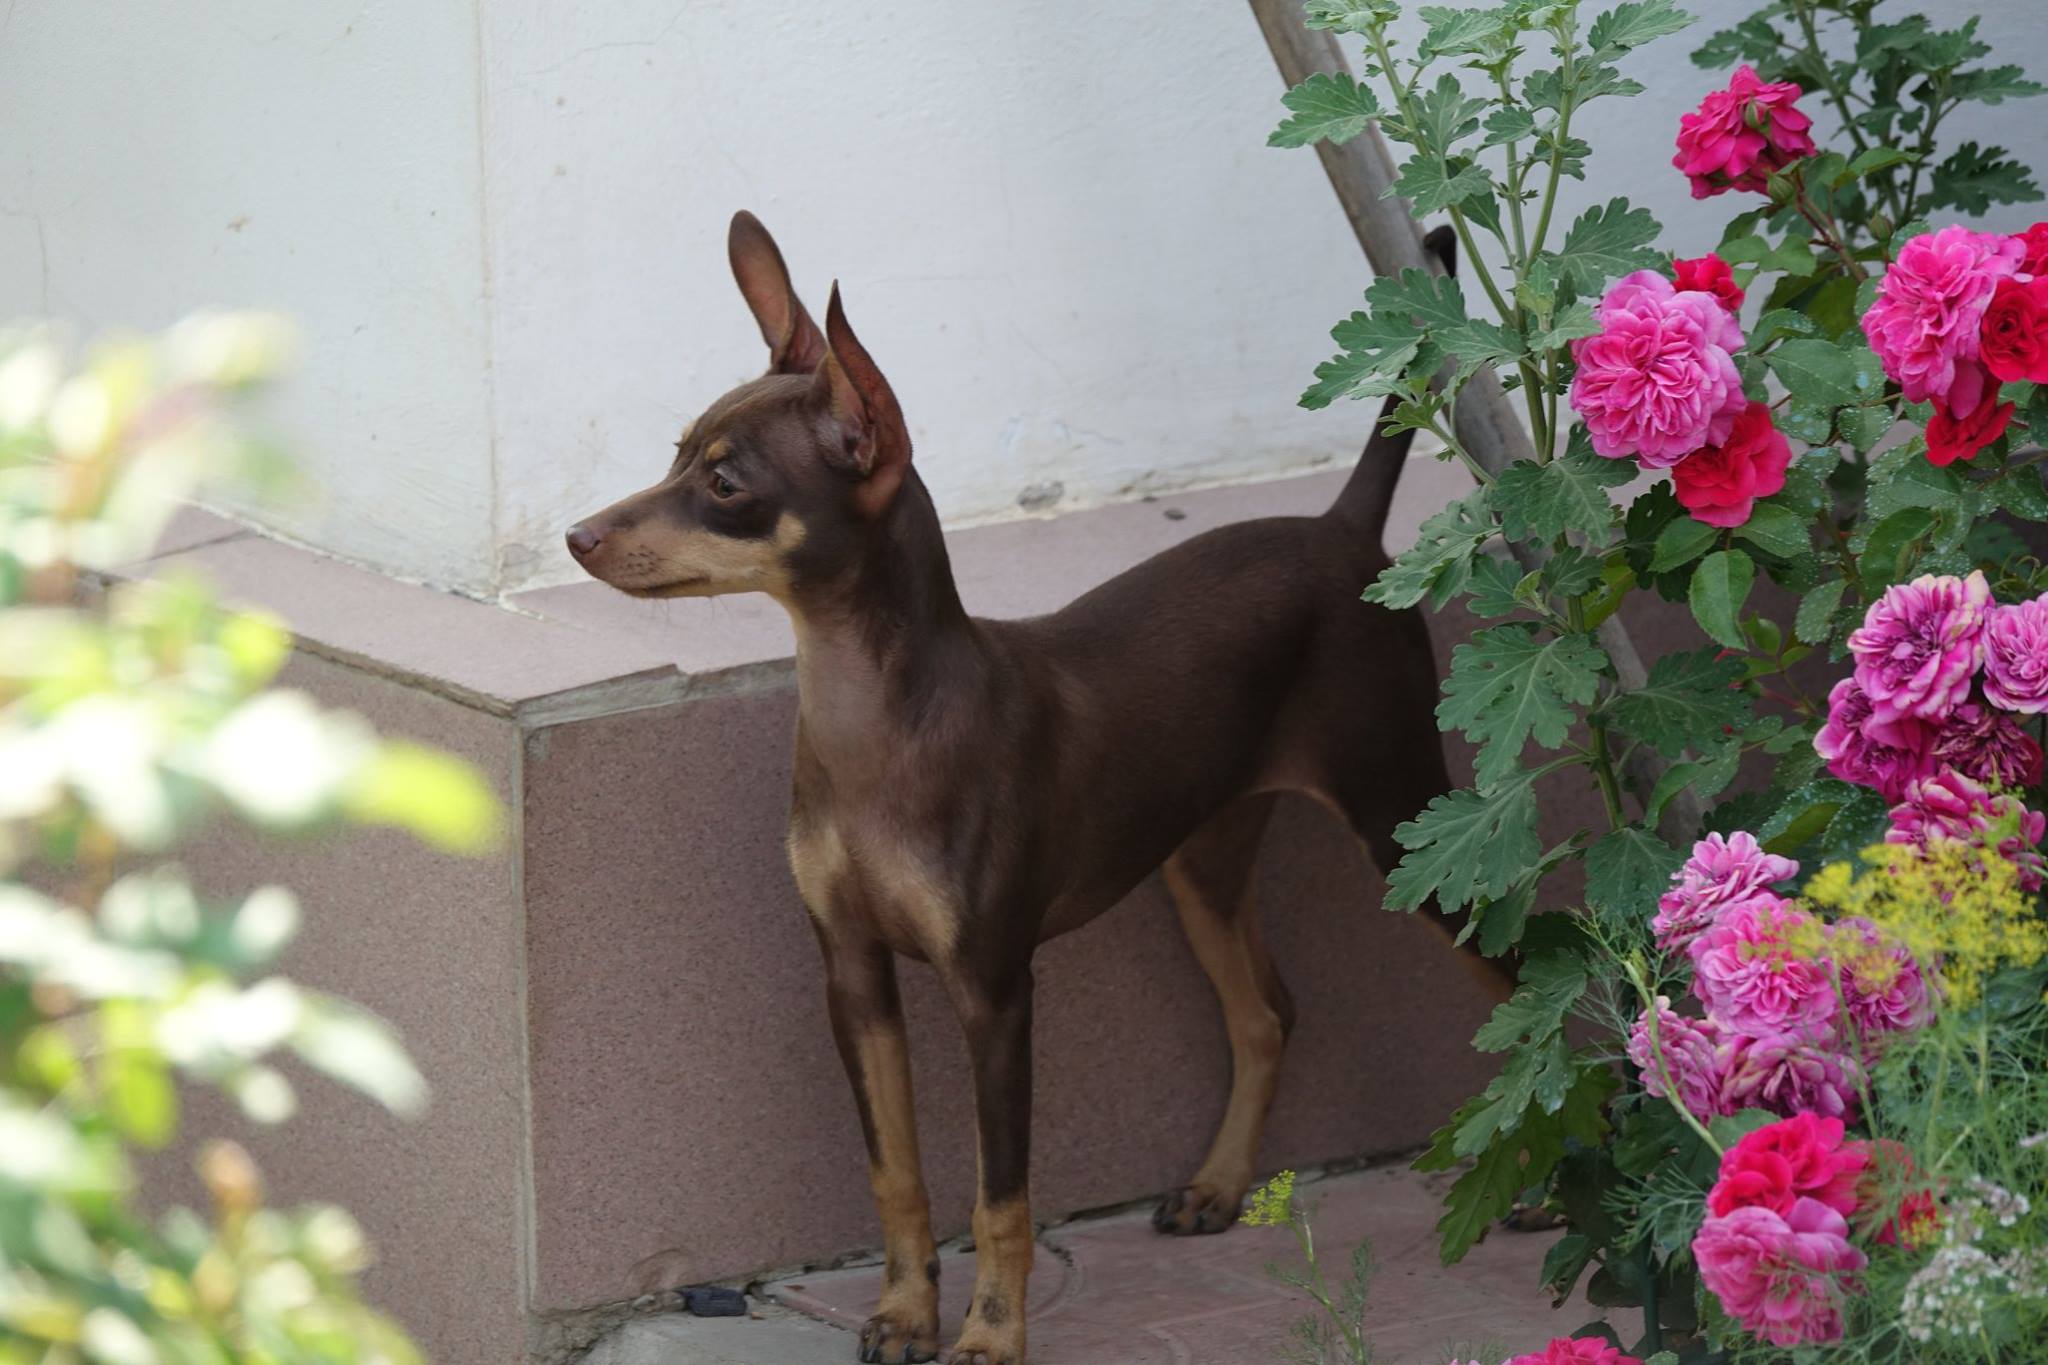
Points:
x=1950 y=1294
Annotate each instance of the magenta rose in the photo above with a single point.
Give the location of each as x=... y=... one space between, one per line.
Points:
x=1929 y=312
x=1658 y=382
x=1720 y=874
x=1760 y=970
x=1989 y=746
x=1856 y=755
x=1789 y=1073
x=1773 y=1167
x=1919 y=646
x=1739 y=136
x=1951 y=806
x=1781 y=1277
x=1883 y=988
x=1690 y=1049
x=2016 y=658
x=1575 y=1351
x=2013 y=342
x=2034 y=243
x=1710 y=275
x=1720 y=484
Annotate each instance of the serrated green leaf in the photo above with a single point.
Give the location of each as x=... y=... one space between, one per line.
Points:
x=1431 y=185
x=1465 y=845
x=1440 y=561
x=1510 y=123
x=1680 y=543
x=1610 y=240
x=1992 y=85
x=1688 y=699
x=1973 y=178
x=1541 y=502
x=1549 y=986
x=1815 y=621
x=1571 y=572
x=1876 y=159
x=1459 y=30
x=1510 y=685
x=1574 y=322
x=1349 y=16
x=1629 y=26
x=1444 y=115
x=1495 y=588
x=1707 y=777
x=1720 y=585
x=1627 y=869
x=1501 y=921
x=1776 y=530
x=1327 y=105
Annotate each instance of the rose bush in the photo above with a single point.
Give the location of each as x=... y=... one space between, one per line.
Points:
x=1839 y=420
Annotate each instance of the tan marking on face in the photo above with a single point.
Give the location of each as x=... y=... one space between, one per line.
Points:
x=667 y=560
x=717 y=451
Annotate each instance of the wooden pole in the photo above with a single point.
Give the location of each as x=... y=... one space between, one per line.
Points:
x=1361 y=171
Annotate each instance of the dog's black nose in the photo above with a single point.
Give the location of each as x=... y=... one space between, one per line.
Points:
x=582 y=540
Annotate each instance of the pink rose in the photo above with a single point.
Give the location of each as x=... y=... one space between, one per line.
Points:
x=1883 y=989
x=1579 y=1351
x=1953 y=436
x=2034 y=243
x=1987 y=745
x=1775 y=1166
x=1720 y=484
x=1710 y=275
x=1951 y=806
x=1659 y=381
x=1918 y=648
x=2016 y=658
x=1789 y=1073
x=1929 y=311
x=1721 y=873
x=1857 y=756
x=1689 y=1048
x=1759 y=968
x=1781 y=1277
x=1740 y=135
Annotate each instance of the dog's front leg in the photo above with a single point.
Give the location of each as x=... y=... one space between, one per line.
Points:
x=995 y=1011
x=867 y=1023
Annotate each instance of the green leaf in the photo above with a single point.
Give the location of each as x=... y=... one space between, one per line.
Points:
x=1992 y=85
x=1349 y=16
x=2019 y=490
x=1445 y=114
x=1497 y=587
x=1631 y=25
x=1564 y=1263
x=1510 y=685
x=1707 y=776
x=1550 y=985
x=1680 y=543
x=1779 y=322
x=1608 y=241
x=1510 y=123
x=1542 y=502
x=1719 y=588
x=360 y=1050
x=1328 y=106
x=1459 y=30
x=1465 y=845
x=1501 y=921
x=1688 y=699
x=1430 y=185
x=1816 y=372
x=1431 y=301
x=1776 y=530
x=1378 y=348
x=1628 y=869
x=1974 y=178
x=140 y=1098
x=1574 y=322
x=1440 y=561
x=440 y=798
x=1877 y=159
x=1815 y=622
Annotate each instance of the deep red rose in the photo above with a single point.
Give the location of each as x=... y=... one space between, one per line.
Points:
x=2035 y=239
x=1720 y=484
x=1783 y=1162
x=1951 y=438
x=1710 y=275
x=1892 y=1189
x=2014 y=341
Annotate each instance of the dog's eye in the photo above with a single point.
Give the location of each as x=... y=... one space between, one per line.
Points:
x=722 y=487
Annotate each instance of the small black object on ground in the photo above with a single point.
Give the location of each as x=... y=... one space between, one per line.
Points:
x=713 y=1301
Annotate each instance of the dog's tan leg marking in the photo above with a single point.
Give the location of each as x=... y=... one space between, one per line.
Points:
x=1003 y=1242
x=1209 y=878
x=995 y=1013
x=867 y=1023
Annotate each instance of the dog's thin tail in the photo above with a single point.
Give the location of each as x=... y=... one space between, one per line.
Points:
x=1370 y=491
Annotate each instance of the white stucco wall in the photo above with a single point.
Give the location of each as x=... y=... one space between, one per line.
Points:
x=501 y=223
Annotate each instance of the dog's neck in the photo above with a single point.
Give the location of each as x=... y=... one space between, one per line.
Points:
x=881 y=646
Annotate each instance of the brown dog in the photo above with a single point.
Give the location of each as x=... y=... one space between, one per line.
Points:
x=966 y=789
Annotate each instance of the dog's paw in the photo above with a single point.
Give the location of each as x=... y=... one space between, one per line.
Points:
x=1196 y=1209
x=894 y=1338
x=981 y=1344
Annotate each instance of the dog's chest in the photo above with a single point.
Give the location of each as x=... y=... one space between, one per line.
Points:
x=853 y=876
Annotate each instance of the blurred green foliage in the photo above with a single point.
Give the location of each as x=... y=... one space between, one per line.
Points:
x=133 y=714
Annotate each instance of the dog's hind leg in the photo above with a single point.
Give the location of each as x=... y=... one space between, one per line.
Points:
x=1210 y=879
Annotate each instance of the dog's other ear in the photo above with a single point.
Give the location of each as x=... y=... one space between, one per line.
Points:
x=795 y=345
x=860 y=400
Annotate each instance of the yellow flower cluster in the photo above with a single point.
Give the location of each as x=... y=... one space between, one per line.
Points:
x=1272 y=1203
x=1957 y=907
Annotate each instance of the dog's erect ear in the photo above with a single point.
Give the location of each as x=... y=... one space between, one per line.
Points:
x=795 y=345
x=852 y=388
